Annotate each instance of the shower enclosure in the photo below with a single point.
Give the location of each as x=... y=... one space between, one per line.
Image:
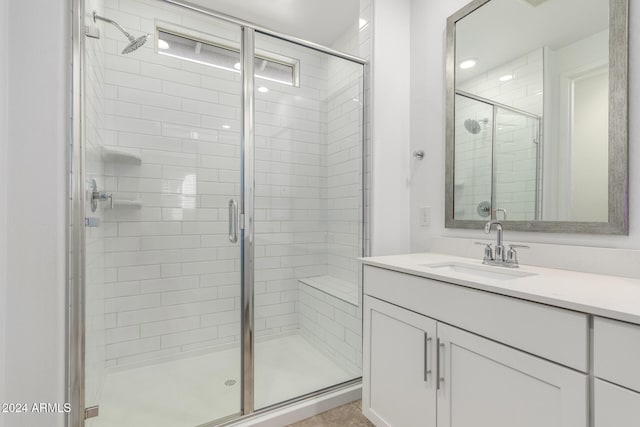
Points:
x=497 y=160
x=217 y=217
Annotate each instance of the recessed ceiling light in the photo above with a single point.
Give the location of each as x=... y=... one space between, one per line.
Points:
x=362 y=23
x=263 y=89
x=226 y=127
x=506 y=78
x=236 y=65
x=468 y=63
x=163 y=44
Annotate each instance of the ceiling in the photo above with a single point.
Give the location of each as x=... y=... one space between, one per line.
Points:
x=318 y=21
x=503 y=30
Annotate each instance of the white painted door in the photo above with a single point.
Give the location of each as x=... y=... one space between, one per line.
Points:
x=615 y=406
x=487 y=384
x=399 y=366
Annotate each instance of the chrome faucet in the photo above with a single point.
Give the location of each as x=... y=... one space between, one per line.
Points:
x=499 y=256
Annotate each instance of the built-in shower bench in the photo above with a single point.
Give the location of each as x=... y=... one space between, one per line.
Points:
x=341 y=289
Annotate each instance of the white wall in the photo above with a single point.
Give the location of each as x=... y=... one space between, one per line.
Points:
x=37 y=133
x=391 y=105
x=4 y=111
x=428 y=125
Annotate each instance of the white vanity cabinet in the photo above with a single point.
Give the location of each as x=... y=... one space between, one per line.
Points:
x=484 y=383
x=401 y=366
x=443 y=355
x=616 y=360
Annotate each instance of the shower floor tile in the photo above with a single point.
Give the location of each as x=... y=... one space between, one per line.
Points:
x=192 y=391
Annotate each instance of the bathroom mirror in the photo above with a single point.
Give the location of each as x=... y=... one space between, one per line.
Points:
x=537 y=115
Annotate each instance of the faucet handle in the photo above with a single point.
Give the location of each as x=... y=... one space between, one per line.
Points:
x=512 y=255
x=488 y=251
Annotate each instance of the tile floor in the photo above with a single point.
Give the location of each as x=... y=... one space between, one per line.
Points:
x=349 y=415
x=192 y=391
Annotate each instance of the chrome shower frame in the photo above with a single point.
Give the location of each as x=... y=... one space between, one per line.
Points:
x=75 y=360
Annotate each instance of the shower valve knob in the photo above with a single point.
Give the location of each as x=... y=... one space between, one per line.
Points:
x=103 y=197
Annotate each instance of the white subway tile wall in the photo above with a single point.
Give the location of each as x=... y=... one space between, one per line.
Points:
x=309 y=181
x=516 y=144
x=172 y=279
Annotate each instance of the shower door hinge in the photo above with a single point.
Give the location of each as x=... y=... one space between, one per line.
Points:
x=241 y=221
x=91 y=412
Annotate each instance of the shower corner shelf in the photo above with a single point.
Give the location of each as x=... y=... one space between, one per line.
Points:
x=135 y=203
x=120 y=155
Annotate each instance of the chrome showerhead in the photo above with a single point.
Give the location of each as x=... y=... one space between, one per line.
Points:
x=473 y=126
x=133 y=42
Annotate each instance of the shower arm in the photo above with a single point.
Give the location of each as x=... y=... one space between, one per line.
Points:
x=114 y=23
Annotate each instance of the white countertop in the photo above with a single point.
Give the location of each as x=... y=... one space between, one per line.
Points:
x=608 y=296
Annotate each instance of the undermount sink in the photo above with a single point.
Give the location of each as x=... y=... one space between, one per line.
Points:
x=488 y=272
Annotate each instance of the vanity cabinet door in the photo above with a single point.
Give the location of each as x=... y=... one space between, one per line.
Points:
x=484 y=383
x=399 y=366
x=615 y=406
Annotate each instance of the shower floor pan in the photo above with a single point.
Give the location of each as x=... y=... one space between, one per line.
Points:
x=195 y=390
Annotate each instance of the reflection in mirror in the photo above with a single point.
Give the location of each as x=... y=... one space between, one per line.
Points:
x=528 y=128
x=497 y=160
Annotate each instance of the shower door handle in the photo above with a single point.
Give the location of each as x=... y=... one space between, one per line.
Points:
x=233 y=221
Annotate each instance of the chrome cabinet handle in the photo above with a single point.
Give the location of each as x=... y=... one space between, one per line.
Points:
x=233 y=221
x=427 y=371
x=440 y=378
x=438 y=364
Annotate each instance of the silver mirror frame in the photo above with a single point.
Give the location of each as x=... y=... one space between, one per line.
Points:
x=618 y=133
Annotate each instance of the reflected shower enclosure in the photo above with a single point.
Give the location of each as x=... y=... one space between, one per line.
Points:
x=497 y=160
x=222 y=187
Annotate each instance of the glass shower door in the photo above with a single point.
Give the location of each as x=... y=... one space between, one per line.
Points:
x=162 y=171
x=308 y=220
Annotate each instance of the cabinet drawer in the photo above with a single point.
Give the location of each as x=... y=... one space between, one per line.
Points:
x=553 y=333
x=616 y=352
x=615 y=406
